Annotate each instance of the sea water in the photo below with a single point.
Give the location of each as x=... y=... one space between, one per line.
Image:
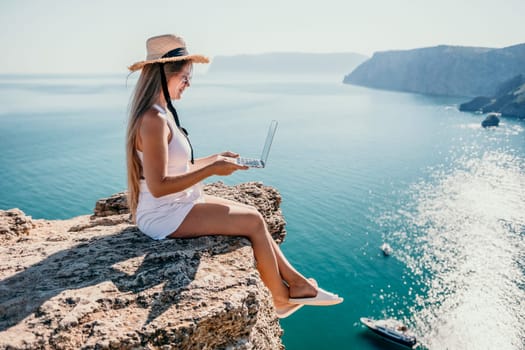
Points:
x=356 y=167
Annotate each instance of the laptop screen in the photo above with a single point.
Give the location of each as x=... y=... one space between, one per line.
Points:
x=269 y=140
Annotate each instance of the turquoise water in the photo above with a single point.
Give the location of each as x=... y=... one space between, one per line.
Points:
x=356 y=167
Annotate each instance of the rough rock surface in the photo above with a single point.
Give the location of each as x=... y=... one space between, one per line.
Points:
x=99 y=283
x=14 y=224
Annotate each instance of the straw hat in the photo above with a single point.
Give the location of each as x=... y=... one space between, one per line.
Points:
x=166 y=48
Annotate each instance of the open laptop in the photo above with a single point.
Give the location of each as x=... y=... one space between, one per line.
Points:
x=261 y=163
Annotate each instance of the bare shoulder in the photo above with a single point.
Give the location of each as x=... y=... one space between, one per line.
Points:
x=153 y=123
x=153 y=129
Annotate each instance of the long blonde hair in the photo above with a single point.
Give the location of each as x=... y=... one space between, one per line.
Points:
x=146 y=94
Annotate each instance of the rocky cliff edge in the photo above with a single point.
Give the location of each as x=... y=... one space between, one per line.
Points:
x=96 y=282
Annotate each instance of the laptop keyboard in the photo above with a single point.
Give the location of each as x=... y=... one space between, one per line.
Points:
x=251 y=162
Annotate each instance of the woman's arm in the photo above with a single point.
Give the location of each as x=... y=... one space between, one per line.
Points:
x=154 y=144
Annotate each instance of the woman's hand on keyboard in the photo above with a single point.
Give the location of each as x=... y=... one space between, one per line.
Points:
x=223 y=166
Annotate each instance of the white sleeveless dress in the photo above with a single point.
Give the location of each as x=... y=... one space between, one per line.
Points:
x=160 y=217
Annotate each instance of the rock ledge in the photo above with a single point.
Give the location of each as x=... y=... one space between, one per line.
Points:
x=96 y=282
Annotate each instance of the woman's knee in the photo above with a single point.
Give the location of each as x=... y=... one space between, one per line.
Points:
x=257 y=225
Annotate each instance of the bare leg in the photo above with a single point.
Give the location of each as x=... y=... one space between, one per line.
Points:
x=223 y=219
x=299 y=286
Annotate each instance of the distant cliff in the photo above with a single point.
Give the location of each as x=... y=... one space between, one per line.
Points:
x=99 y=283
x=509 y=100
x=441 y=70
x=287 y=63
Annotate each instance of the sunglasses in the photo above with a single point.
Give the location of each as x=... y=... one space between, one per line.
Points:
x=186 y=79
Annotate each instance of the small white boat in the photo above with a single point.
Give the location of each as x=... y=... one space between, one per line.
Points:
x=386 y=248
x=392 y=330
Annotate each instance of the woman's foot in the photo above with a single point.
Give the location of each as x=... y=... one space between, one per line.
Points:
x=320 y=298
x=303 y=288
x=283 y=303
x=285 y=311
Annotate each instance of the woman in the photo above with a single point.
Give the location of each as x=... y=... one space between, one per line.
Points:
x=164 y=190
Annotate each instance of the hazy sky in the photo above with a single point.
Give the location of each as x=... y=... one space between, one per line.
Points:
x=66 y=36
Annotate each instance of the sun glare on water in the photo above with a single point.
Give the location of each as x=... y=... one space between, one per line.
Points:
x=466 y=243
